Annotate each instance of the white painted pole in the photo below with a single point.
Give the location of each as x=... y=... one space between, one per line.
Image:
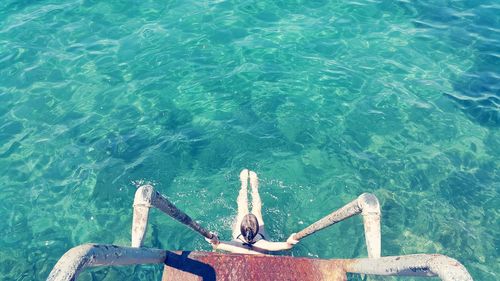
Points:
x=423 y=265
x=367 y=205
x=88 y=255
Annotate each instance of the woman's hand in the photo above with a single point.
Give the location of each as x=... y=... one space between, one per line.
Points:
x=292 y=240
x=214 y=241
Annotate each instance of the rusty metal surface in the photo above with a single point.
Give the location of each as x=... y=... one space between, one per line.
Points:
x=205 y=266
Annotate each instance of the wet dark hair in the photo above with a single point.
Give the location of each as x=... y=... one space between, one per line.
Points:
x=249 y=228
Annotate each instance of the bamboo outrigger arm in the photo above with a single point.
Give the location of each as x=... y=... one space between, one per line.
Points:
x=368 y=206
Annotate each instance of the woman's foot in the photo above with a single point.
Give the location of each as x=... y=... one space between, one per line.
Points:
x=244 y=178
x=254 y=181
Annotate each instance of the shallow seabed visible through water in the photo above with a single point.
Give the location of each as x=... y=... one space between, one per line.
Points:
x=325 y=100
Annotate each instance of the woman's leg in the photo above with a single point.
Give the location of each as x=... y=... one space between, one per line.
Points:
x=256 y=202
x=242 y=203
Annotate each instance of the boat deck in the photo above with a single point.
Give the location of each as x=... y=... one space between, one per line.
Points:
x=187 y=266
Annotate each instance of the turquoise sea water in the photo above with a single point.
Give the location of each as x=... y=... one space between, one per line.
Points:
x=325 y=100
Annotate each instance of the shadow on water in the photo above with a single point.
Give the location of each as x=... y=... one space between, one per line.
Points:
x=484 y=110
x=477 y=91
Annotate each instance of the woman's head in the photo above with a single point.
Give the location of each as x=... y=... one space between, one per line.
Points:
x=249 y=227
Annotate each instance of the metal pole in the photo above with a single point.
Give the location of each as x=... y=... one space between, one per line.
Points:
x=366 y=204
x=423 y=265
x=146 y=197
x=78 y=258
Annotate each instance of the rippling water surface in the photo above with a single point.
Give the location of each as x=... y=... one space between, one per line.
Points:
x=324 y=99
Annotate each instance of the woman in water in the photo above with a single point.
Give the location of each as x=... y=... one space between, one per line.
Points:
x=249 y=234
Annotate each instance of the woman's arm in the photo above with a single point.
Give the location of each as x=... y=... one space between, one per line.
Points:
x=272 y=246
x=224 y=246
x=276 y=246
x=261 y=245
